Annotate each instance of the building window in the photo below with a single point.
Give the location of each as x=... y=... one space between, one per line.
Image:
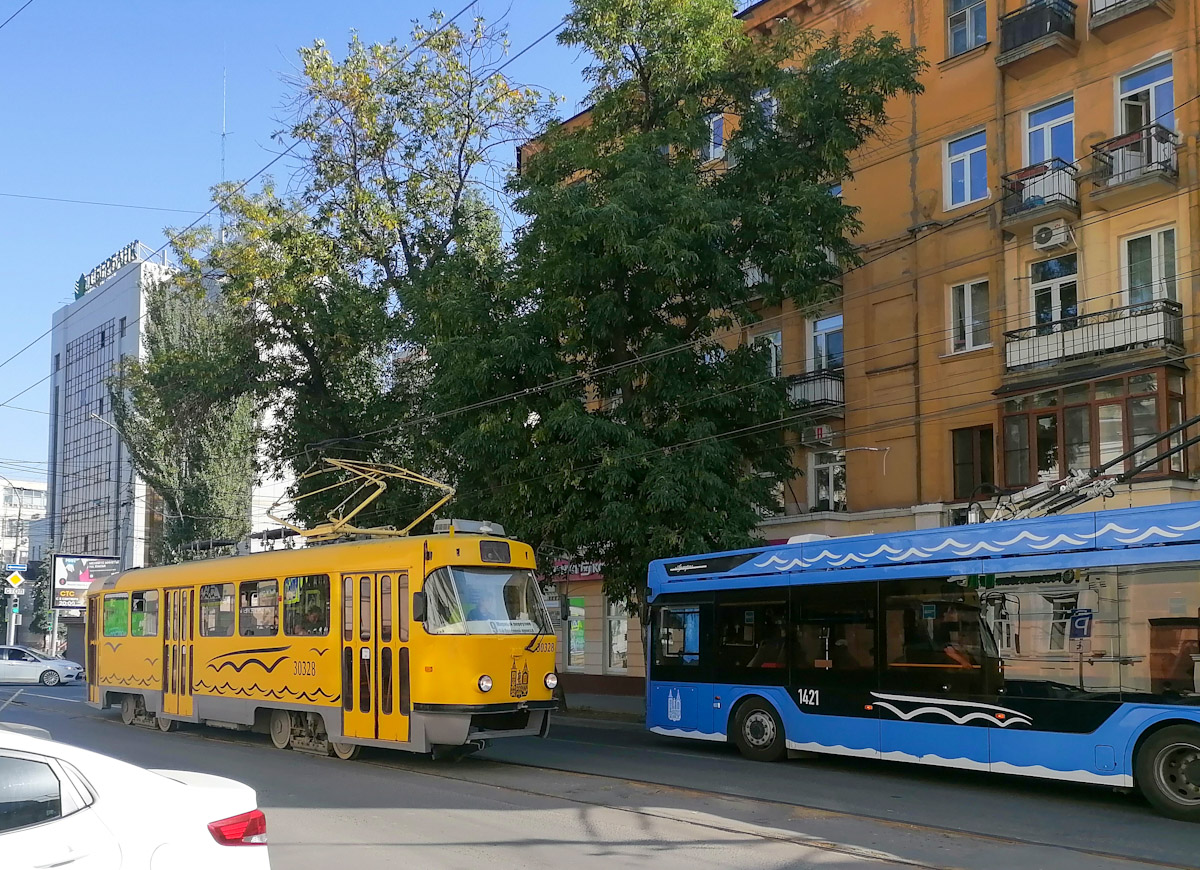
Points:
x=827 y=348
x=1055 y=293
x=966 y=162
x=123 y=324
x=1087 y=426
x=57 y=361
x=1150 y=267
x=1148 y=97
x=574 y=643
x=973 y=462
x=829 y=481
x=968 y=25
x=1052 y=133
x=100 y=405
x=969 y=325
x=714 y=147
x=774 y=345
x=616 y=634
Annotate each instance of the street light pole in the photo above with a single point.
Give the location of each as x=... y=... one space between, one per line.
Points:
x=12 y=621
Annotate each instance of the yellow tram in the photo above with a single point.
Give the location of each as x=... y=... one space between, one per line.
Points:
x=421 y=643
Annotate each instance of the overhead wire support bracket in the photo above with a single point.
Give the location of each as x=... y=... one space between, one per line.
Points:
x=367 y=481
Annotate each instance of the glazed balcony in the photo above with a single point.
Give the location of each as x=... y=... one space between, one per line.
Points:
x=1135 y=166
x=1112 y=19
x=1037 y=35
x=823 y=390
x=1039 y=193
x=1157 y=324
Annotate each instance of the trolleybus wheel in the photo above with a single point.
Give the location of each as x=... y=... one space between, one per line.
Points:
x=166 y=724
x=50 y=677
x=344 y=751
x=758 y=732
x=129 y=709
x=281 y=728
x=1167 y=770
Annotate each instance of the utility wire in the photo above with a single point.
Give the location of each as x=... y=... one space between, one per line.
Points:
x=25 y=6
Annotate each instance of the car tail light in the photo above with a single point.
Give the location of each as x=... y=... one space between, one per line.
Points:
x=248 y=829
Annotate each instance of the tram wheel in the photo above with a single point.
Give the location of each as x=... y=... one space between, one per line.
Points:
x=281 y=728
x=166 y=725
x=344 y=751
x=129 y=709
x=1167 y=771
x=758 y=732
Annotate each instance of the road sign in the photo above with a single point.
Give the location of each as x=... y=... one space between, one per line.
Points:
x=1081 y=629
x=15 y=579
x=15 y=566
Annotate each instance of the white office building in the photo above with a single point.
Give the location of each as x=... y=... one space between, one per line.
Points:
x=98 y=504
x=21 y=502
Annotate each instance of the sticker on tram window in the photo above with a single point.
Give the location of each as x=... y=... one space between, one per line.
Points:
x=809 y=697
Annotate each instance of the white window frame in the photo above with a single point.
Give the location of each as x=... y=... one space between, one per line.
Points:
x=817 y=469
x=948 y=164
x=968 y=13
x=566 y=635
x=774 y=340
x=714 y=149
x=1054 y=285
x=1155 y=110
x=609 y=619
x=968 y=318
x=818 y=350
x=1157 y=261
x=1048 y=126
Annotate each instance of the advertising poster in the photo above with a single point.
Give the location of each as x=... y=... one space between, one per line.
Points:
x=74 y=574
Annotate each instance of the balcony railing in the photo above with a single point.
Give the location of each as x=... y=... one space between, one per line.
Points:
x=1042 y=185
x=1150 y=151
x=1035 y=20
x=1106 y=12
x=1157 y=323
x=821 y=389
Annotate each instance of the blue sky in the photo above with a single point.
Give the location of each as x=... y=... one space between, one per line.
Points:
x=120 y=102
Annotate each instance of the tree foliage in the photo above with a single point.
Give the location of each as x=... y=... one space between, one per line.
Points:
x=187 y=415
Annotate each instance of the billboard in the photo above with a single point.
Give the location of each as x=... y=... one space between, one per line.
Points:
x=74 y=574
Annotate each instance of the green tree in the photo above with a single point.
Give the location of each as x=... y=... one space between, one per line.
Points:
x=634 y=433
x=186 y=412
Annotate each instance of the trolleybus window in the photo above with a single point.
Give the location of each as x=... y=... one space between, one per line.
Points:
x=258 y=611
x=306 y=605
x=835 y=633
x=678 y=636
x=752 y=634
x=116 y=614
x=216 y=610
x=484 y=601
x=145 y=614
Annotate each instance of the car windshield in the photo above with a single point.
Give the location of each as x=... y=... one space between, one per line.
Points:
x=484 y=601
x=41 y=657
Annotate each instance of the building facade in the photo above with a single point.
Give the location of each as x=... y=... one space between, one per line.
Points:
x=1024 y=307
x=22 y=502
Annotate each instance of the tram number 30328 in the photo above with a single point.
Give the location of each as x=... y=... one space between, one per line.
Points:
x=304 y=669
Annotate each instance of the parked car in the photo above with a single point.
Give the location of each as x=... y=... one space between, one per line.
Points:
x=20 y=664
x=65 y=807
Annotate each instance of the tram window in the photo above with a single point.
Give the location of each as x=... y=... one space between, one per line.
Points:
x=258 y=608
x=385 y=611
x=751 y=634
x=678 y=636
x=144 y=621
x=347 y=608
x=385 y=679
x=306 y=605
x=402 y=591
x=364 y=608
x=216 y=610
x=116 y=614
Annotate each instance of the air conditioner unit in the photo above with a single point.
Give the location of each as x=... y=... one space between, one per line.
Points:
x=1052 y=236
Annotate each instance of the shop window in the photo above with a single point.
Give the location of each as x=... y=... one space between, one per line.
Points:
x=973 y=461
x=969 y=316
x=967 y=24
x=616 y=633
x=966 y=169
x=574 y=637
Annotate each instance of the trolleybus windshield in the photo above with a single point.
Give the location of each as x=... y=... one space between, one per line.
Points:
x=484 y=601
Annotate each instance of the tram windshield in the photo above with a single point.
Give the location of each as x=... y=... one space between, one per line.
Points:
x=484 y=601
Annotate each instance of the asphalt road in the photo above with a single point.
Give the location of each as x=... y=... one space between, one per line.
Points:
x=594 y=794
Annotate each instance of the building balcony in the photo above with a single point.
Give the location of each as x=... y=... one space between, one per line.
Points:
x=1143 y=164
x=1039 y=193
x=823 y=391
x=1037 y=35
x=1112 y=19
x=1157 y=325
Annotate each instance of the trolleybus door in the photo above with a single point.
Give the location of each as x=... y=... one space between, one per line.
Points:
x=177 y=653
x=93 y=634
x=375 y=703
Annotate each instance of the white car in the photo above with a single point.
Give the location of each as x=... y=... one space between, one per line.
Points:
x=20 y=664
x=65 y=807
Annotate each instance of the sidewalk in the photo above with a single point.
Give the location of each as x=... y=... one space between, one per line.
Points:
x=620 y=708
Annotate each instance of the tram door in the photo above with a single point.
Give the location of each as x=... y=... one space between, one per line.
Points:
x=177 y=653
x=375 y=683
x=93 y=641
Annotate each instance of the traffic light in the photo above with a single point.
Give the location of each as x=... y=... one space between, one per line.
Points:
x=16 y=605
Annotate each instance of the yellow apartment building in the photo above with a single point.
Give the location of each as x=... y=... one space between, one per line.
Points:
x=1026 y=302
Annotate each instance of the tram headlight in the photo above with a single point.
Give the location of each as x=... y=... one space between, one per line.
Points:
x=485 y=683
x=551 y=681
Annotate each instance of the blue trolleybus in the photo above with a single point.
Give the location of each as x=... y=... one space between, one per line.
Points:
x=1063 y=647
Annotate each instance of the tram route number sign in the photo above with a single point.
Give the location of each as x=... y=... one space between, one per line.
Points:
x=1081 y=629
